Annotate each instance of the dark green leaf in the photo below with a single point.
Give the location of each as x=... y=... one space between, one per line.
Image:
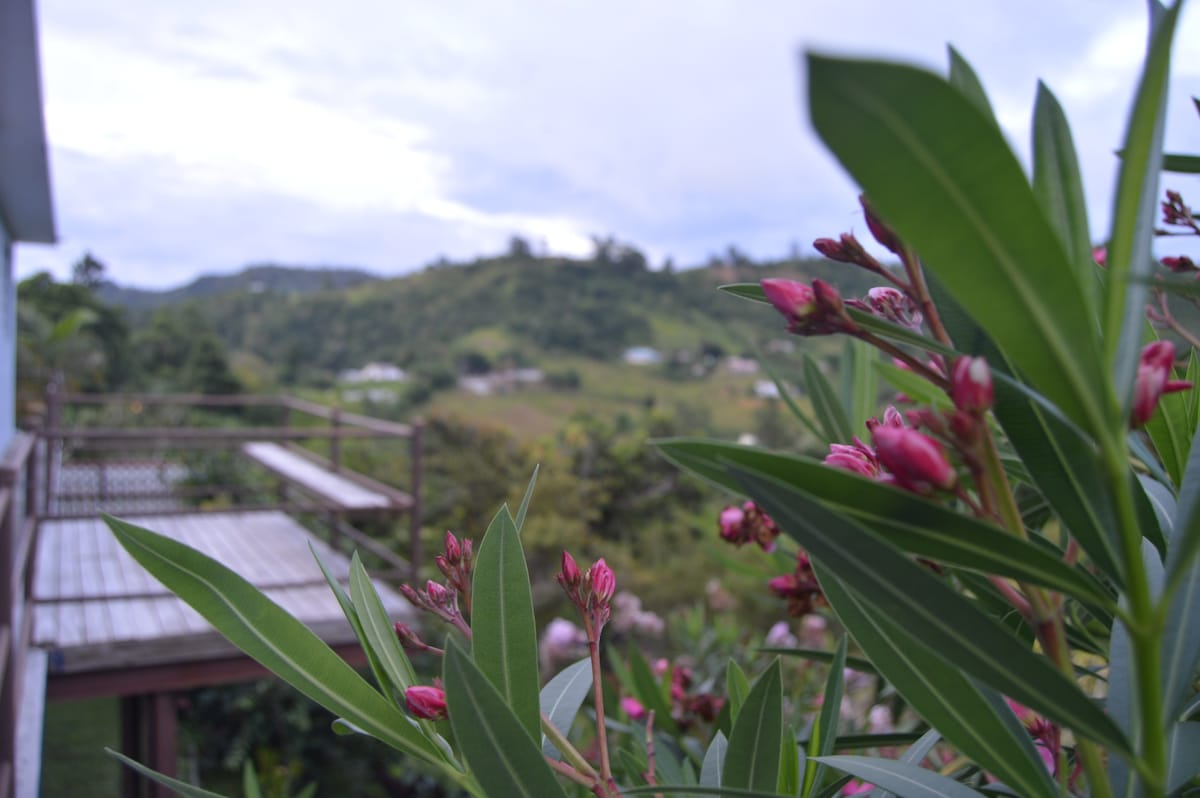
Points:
x=268 y=634
x=914 y=524
x=1171 y=428
x=906 y=781
x=827 y=407
x=502 y=755
x=857 y=663
x=964 y=78
x=561 y=698
x=650 y=692
x=860 y=387
x=503 y=632
x=791 y=763
x=1184 y=164
x=1059 y=188
x=524 y=508
x=714 y=761
x=965 y=712
x=1185 y=754
x=737 y=687
x=896 y=333
x=824 y=732
x=752 y=758
x=250 y=781
x=913 y=756
x=380 y=633
x=947 y=182
x=929 y=610
x=751 y=291
x=1129 y=260
x=180 y=787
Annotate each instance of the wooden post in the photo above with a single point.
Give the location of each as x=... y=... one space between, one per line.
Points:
x=11 y=666
x=52 y=422
x=335 y=440
x=417 y=449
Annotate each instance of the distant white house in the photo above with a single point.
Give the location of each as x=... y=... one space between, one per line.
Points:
x=503 y=381
x=766 y=389
x=741 y=366
x=374 y=372
x=642 y=356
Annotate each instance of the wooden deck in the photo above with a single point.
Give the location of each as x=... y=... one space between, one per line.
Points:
x=98 y=610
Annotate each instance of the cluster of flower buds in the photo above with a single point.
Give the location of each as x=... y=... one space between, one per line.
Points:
x=426 y=702
x=748 y=524
x=1177 y=214
x=1046 y=736
x=591 y=591
x=1154 y=380
x=1180 y=264
x=902 y=455
x=800 y=588
x=437 y=600
x=815 y=309
x=455 y=564
x=891 y=304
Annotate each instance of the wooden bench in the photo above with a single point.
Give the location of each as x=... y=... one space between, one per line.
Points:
x=342 y=494
x=341 y=490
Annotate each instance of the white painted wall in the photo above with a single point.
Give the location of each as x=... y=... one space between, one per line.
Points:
x=8 y=339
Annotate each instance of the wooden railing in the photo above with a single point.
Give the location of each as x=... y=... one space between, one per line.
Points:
x=285 y=419
x=18 y=482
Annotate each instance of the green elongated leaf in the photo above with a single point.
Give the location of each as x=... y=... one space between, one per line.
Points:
x=377 y=670
x=964 y=78
x=271 y=636
x=698 y=789
x=791 y=763
x=1185 y=755
x=825 y=731
x=750 y=291
x=894 y=332
x=1183 y=565
x=1059 y=188
x=827 y=407
x=714 y=762
x=250 y=781
x=905 y=519
x=1129 y=260
x=964 y=711
x=929 y=610
x=503 y=630
x=752 y=758
x=1181 y=636
x=524 y=508
x=857 y=742
x=920 y=390
x=737 y=687
x=561 y=698
x=496 y=744
x=1064 y=466
x=1183 y=164
x=180 y=787
x=650 y=692
x=860 y=389
x=913 y=756
x=906 y=781
x=945 y=180
x=857 y=663
x=378 y=628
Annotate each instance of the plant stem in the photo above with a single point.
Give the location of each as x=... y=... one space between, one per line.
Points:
x=593 y=636
x=1145 y=629
x=569 y=752
x=916 y=275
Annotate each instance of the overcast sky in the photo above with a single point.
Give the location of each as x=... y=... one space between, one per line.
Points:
x=191 y=138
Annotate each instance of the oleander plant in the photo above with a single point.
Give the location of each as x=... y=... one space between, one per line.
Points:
x=1007 y=543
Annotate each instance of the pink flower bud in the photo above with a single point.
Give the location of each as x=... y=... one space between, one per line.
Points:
x=731 y=523
x=443 y=565
x=793 y=299
x=857 y=459
x=883 y=234
x=832 y=250
x=633 y=708
x=1154 y=380
x=426 y=702
x=453 y=549
x=413 y=596
x=569 y=576
x=971 y=385
x=603 y=581
x=1100 y=255
x=1181 y=264
x=828 y=300
x=437 y=593
x=917 y=461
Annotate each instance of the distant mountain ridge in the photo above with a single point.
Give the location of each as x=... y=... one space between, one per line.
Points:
x=268 y=278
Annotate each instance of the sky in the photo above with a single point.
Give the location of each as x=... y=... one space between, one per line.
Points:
x=190 y=138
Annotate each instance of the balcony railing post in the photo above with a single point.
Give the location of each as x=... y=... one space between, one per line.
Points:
x=52 y=435
x=335 y=440
x=417 y=448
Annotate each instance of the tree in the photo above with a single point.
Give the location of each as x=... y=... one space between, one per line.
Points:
x=88 y=271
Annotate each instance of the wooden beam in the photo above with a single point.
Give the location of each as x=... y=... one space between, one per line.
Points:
x=177 y=676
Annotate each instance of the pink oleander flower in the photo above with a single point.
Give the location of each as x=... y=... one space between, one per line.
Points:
x=916 y=461
x=800 y=588
x=971 y=385
x=857 y=458
x=426 y=702
x=633 y=708
x=1154 y=380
